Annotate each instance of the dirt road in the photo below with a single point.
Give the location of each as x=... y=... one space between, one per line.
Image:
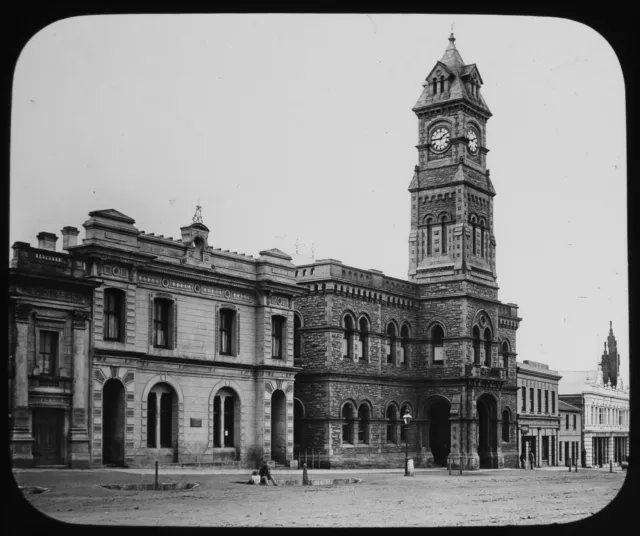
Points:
x=431 y=498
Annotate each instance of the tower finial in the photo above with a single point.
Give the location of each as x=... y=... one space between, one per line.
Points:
x=451 y=38
x=197 y=217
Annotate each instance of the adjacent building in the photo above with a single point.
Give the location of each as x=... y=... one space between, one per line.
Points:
x=538 y=412
x=604 y=404
x=570 y=434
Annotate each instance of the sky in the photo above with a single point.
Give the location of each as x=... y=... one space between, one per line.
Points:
x=298 y=129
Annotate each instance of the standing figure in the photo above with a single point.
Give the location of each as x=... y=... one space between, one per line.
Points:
x=532 y=458
x=523 y=461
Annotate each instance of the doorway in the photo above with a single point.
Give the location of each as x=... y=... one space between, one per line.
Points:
x=487 y=431
x=48 y=434
x=279 y=426
x=439 y=431
x=113 y=423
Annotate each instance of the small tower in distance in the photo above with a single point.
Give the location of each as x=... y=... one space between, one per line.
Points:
x=610 y=359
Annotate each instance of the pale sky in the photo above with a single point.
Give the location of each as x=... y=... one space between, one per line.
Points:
x=299 y=127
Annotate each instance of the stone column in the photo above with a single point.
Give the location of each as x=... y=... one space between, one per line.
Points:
x=79 y=447
x=20 y=438
x=221 y=421
x=159 y=395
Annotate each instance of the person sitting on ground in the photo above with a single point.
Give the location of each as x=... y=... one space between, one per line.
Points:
x=265 y=476
x=255 y=478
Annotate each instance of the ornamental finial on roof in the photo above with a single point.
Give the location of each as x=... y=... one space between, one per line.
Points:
x=197 y=217
x=451 y=38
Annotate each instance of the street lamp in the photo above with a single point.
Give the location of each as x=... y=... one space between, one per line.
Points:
x=407 y=419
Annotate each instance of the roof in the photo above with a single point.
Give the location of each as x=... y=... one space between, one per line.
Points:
x=564 y=406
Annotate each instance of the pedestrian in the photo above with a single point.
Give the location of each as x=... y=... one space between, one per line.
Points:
x=532 y=459
x=265 y=475
x=523 y=461
x=255 y=478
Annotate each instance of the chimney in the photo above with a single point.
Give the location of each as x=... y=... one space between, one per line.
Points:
x=47 y=241
x=69 y=237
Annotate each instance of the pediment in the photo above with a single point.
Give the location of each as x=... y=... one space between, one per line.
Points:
x=439 y=70
x=471 y=71
x=112 y=214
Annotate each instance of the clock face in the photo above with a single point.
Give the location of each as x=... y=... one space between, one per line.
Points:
x=440 y=139
x=472 y=136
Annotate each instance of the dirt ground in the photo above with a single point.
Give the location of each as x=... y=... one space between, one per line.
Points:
x=430 y=498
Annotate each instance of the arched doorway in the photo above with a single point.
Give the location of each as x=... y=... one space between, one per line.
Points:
x=439 y=431
x=162 y=422
x=278 y=426
x=298 y=427
x=487 y=431
x=113 y=423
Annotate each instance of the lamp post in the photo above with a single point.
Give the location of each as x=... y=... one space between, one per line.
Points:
x=407 y=419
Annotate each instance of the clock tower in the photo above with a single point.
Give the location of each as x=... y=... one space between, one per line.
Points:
x=451 y=234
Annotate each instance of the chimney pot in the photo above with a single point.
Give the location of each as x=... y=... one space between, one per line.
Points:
x=69 y=237
x=47 y=241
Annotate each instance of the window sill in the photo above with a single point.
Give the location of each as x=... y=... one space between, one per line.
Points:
x=347 y=445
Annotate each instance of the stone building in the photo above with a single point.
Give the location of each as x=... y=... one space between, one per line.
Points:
x=604 y=408
x=570 y=434
x=49 y=313
x=538 y=417
x=439 y=345
x=188 y=356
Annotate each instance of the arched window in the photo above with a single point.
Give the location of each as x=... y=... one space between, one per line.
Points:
x=392 y=424
x=435 y=86
x=505 y=357
x=347 y=337
x=476 y=345
x=404 y=344
x=437 y=344
x=162 y=417
x=487 y=347
x=278 y=324
x=226 y=418
x=473 y=235
x=198 y=243
x=505 y=426
x=348 y=412
x=297 y=337
x=114 y=315
x=442 y=84
x=364 y=415
x=444 y=219
x=429 y=229
x=482 y=248
x=391 y=343
x=364 y=338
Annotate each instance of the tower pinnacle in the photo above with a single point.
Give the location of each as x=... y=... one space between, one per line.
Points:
x=197 y=217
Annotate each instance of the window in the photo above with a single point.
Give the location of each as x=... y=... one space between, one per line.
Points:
x=161 y=323
x=363 y=423
x=347 y=423
x=442 y=84
x=473 y=235
x=162 y=417
x=553 y=401
x=429 y=237
x=364 y=338
x=443 y=220
x=114 y=315
x=347 y=337
x=539 y=400
x=546 y=401
x=566 y=427
x=487 y=347
x=391 y=343
x=524 y=399
x=476 y=345
x=505 y=357
x=437 y=344
x=560 y=450
x=505 y=426
x=619 y=417
x=48 y=352
x=482 y=248
x=297 y=337
x=575 y=420
x=600 y=415
x=404 y=345
x=277 y=337
x=531 y=400
x=392 y=424
x=227 y=325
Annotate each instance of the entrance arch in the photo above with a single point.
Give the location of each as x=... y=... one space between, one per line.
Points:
x=279 y=426
x=439 y=430
x=487 y=431
x=113 y=422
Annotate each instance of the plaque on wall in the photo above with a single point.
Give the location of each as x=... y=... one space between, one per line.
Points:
x=196 y=423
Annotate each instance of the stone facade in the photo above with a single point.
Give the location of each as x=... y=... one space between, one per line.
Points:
x=440 y=345
x=49 y=355
x=538 y=412
x=191 y=354
x=570 y=434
